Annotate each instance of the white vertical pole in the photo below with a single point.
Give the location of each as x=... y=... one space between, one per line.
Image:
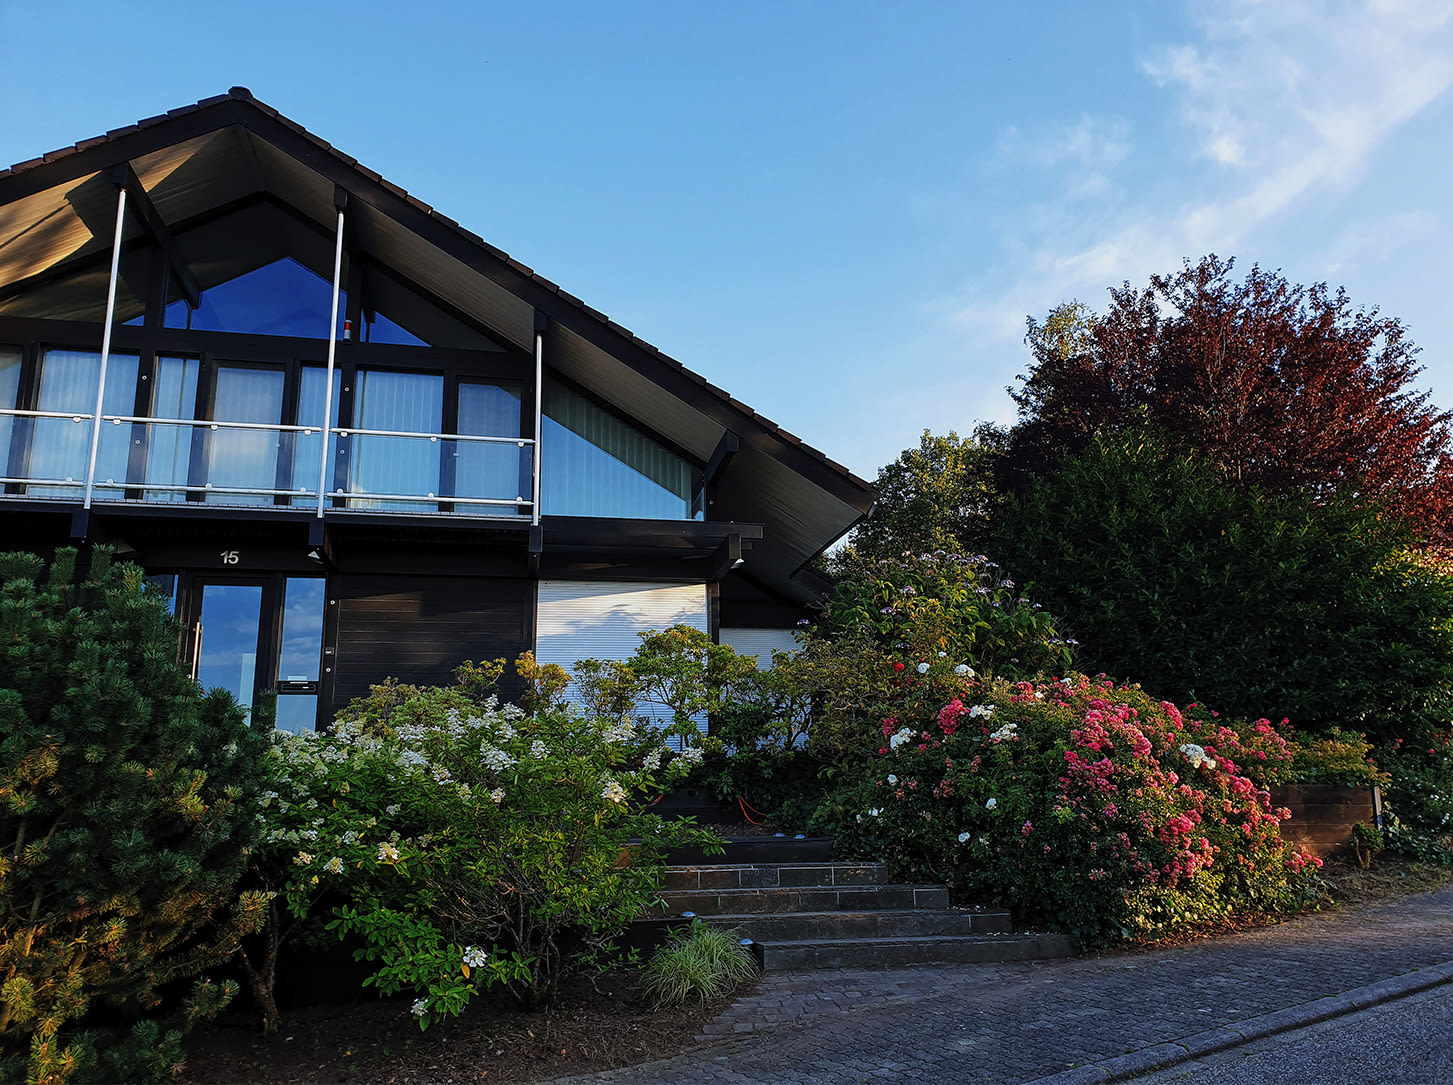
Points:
x=105 y=345
x=535 y=452
x=328 y=380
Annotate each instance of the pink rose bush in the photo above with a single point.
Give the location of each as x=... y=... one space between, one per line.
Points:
x=1096 y=808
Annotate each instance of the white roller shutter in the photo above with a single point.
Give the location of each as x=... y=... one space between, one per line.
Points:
x=759 y=642
x=600 y=619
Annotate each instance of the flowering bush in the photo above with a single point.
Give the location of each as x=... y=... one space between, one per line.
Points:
x=474 y=845
x=1095 y=807
x=926 y=604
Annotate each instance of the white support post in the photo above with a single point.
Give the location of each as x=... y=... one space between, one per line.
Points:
x=535 y=452
x=105 y=346
x=328 y=380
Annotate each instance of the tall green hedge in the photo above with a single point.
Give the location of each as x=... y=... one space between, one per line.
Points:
x=1259 y=605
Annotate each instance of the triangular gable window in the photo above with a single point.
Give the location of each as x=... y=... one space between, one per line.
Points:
x=280 y=298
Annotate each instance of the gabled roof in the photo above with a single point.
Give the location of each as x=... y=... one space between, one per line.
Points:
x=223 y=150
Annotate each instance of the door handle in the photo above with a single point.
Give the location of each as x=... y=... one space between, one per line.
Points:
x=196 y=650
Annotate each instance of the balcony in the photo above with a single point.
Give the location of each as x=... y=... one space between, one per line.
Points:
x=256 y=464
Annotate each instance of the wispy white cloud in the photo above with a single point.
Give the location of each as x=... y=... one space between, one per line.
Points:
x=1093 y=142
x=1280 y=104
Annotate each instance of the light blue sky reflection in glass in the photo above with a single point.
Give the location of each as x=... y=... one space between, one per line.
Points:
x=231 y=616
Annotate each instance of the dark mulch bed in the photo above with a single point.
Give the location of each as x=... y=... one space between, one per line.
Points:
x=599 y=1023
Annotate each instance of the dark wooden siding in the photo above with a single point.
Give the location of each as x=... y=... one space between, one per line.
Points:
x=419 y=628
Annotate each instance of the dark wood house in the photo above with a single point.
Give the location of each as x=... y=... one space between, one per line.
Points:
x=354 y=439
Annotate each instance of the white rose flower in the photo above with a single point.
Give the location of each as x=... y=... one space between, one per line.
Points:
x=964 y=668
x=964 y=837
x=923 y=668
x=993 y=802
x=892 y=780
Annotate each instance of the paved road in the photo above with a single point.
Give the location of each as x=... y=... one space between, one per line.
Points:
x=1086 y=1020
x=1405 y=1042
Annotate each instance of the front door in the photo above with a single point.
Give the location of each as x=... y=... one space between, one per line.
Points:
x=256 y=636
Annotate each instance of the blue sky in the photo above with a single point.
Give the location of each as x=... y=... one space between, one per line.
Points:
x=839 y=212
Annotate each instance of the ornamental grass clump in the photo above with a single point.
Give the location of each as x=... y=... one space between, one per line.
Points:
x=1090 y=806
x=467 y=844
x=697 y=964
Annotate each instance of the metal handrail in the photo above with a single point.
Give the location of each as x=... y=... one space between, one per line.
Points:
x=46 y=414
x=117 y=419
x=350 y=431
x=435 y=498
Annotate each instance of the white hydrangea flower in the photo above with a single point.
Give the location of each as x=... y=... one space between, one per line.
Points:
x=498 y=795
x=420 y=1007
x=1197 y=756
x=387 y=853
x=391 y=809
x=613 y=792
x=538 y=749
x=334 y=865
x=475 y=957
x=302 y=859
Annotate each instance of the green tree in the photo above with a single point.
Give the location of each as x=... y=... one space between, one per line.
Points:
x=128 y=804
x=938 y=496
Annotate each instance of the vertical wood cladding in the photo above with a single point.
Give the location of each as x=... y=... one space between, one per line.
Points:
x=419 y=628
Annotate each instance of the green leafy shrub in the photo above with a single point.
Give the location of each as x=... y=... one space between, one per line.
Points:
x=696 y=964
x=1418 y=800
x=1094 y=807
x=1259 y=604
x=1340 y=758
x=128 y=806
x=472 y=846
x=756 y=751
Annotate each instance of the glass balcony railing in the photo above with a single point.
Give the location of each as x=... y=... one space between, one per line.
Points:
x=234 y=463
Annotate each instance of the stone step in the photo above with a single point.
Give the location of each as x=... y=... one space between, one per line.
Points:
x=819 y=898
x=874 y=925
x=756 y=850
x=894 y=952
x=773 y=875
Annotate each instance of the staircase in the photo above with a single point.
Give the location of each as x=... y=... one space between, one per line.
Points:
x=804 y=910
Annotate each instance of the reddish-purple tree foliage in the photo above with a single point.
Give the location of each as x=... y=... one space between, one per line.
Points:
x=1283 y=386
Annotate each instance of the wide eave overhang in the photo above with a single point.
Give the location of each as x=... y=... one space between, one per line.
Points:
x=228 y=150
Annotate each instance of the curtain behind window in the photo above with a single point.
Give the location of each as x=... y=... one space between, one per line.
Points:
x=61 y=448
x=597 y=465
x=407 y=403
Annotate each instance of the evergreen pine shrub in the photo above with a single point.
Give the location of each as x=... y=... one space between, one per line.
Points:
x=127 y=811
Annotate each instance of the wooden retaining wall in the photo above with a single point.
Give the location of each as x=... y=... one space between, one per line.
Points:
x=1322 y=815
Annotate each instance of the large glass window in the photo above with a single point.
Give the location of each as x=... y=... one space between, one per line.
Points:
x=9 y=396
x=240 y=458
x=169 y=448
x=280 y=298
x=307 y=447
x=61 y=447
x=299 y=654
x=489 y=469
x=398 y=403
x=595 y=464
